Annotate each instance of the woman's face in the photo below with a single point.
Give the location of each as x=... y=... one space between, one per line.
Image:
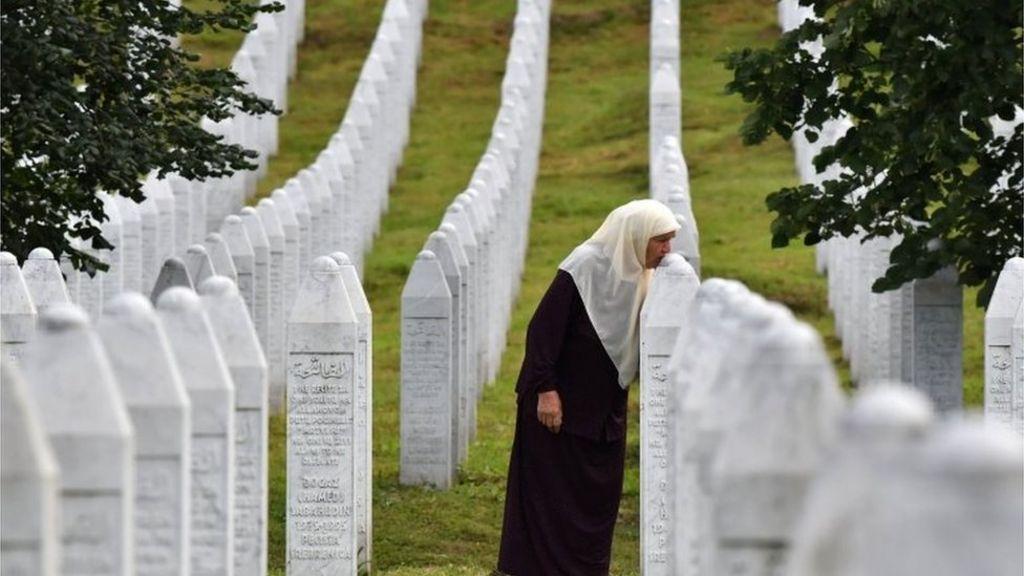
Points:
x=657 y=248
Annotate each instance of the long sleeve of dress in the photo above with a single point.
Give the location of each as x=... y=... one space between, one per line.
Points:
x=545 y=337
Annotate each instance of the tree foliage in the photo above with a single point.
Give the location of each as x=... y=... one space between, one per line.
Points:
x=95 y=96
x=921 y=83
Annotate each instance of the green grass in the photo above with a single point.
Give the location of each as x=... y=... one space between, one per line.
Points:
x=594 y=158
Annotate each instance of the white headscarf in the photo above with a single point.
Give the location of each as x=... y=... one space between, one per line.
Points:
x=610 y=275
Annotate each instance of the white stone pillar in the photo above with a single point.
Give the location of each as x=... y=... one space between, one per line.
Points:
x=198 y=264
x=44 y=280
x=276 y=331
x=261 y=251
x=244 y=258
x=1000 y=383
x=17 y=312
x=220 y=256
x=173 y=273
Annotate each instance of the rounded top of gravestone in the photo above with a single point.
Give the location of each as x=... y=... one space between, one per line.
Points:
x=247 y=210
x=426 y=255
x=324 y=266
x=63 y=316
x=218 y=286
x=455 y=207
x=179 y=299
x=266 y=202
x=889 y=409
x=40 y=254
x=232 y=219
x=197 y=249
x=8 y=259
x=341 y=258
x=127 y=305
x=447 y=228
x=676 y=195
x=437 y=235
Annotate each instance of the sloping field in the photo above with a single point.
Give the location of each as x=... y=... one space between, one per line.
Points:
x=594 y=158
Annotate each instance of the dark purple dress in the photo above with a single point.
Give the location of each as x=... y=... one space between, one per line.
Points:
x=563 y=490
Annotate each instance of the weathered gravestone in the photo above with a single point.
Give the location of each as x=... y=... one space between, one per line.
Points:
x=17 y=312
x=427 y=395
x=665 y=312
x=88 y=426
x=363 y=405
x=241 y=350
x=933 y=343
x=198 y=263
x=44 y=280
x=276 y=329
x=220 y=256
x=321 y=461
x=1001 y=386
x=158 y=405
x=173 y=273
x=244 y=258
x=212 y=395
x=29 y=484
x=878 y=433
x=261 y=272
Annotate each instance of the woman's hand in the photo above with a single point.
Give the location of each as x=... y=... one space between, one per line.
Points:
x=549 y=410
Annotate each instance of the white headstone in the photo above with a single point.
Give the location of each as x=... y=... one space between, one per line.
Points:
x=363 y=407
x=220 y=256
x=301 y=213
x=198 y=264
x=1002 y=309
x=261 y=272
x=665 y=311
x=17 y=312
x=244 y=258
x=159 y=193
x=131 y=220
x=184 y=219
x=276 y=331
x=936 y=354
x=238 y=342
x=464 y=403
x=113 y=231
x=427 y=395
x=88 y=426
x=321 y=463
x=212 y=395
x=44 y=280
x=158 y=405
x=29 y=484
x=173 y=273
x=149 y=218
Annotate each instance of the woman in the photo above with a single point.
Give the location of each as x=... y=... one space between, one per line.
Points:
x=582 y=351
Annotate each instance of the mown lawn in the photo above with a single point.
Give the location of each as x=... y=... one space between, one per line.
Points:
x=594 y=158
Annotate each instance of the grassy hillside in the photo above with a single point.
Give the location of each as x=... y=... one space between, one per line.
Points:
x=594 y=158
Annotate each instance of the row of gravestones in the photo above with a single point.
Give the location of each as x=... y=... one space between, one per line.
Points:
x=138 y=444
x=458 y=298
x=757 y=465
x=912 y=334
x=669 y=175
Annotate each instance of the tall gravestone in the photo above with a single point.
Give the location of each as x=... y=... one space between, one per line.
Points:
x=88 y=426
x=1017 y=350
x=936 y=339
x=131 y=222
x=173 y=273
x=149 y=217
x=44 y=280
x=212 y=394
x=29 y=484
x=198 y=263
x=427 y=395
x=363 y=407
x=244 y=357
x=17 y=312
x=665 y=312
x=468 y=392
x=113 y=230
x=261 y=272
x=303 y=247
x=220 y=256
x=1000 y=383
x=321 y=519
x=276 y=327
x=155 y=396
x=159 y=193
x=244 y=258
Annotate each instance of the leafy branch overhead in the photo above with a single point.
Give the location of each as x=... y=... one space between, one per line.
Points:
x=931 y=89
x=95 y=96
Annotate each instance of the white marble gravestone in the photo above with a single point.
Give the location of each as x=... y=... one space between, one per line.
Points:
x=240 y=247
x=220 y=256
x=664 y=313
x=184 y=219
x=158 y=192
x=198 y=263
x=276 y=329
x=29 y=484
x=322 y=343
x=113 y=230
x=1002 y=308
x=149 y=226
x=88 y=426
x=1017 y=351
x=17 y=312
x=131 y=222
x=244 y=357
x=450 y=236
x=173 y=273
x=261 y=272
x=427 y=395
x=665 y=111
x=882 y=427
x=936 y=339
x=364 y=407
x=155 y=396
x=212 y=395
x=44 y=280
x=286 y=204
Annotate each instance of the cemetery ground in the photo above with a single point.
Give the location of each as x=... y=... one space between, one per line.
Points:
x=594 y=158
